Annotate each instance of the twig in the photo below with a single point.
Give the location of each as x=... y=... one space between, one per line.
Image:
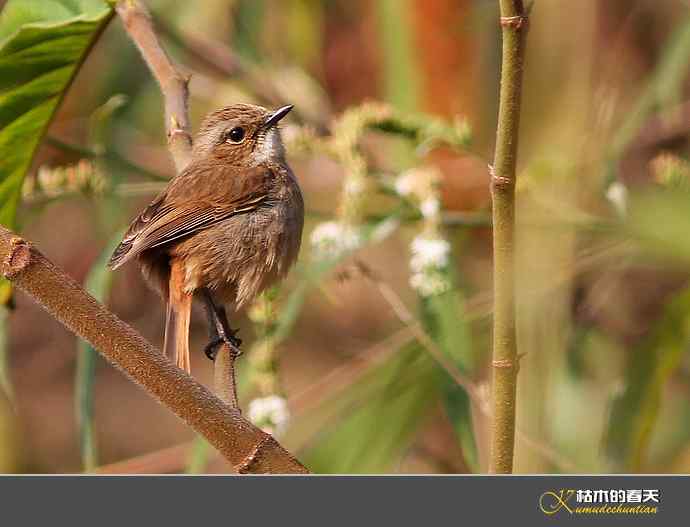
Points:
x=244 y=445
x=173 y=84
x=224 y=376
x=505 y=358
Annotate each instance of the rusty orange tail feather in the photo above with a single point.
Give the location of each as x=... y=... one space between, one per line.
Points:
x=178 y=318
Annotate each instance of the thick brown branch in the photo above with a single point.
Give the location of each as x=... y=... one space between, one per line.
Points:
x=245 y=446
x=173 y=84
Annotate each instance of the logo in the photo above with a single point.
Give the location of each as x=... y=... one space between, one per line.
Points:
x=600 y=501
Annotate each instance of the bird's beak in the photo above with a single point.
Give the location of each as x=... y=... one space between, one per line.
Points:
x=276 y=116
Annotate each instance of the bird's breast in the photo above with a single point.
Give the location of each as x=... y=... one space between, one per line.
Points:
x=243 y=255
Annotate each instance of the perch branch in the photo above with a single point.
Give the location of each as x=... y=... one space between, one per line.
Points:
x=224 y=376
x=505 y=357
x=241 y=443
x=174 y=85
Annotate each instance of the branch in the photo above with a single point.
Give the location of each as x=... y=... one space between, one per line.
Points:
x=173 y=84
x=249 y=449
x=505 y=357
x=224 y=376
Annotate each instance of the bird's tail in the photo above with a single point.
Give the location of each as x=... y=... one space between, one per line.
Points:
x=177 y=319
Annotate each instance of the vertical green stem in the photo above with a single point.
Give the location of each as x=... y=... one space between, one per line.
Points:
x=84 y=388
x=505 y=358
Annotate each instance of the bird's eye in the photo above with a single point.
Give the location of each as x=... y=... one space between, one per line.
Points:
x=236 y=135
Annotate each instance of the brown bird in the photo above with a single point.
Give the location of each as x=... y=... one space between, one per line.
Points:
x=225 y=228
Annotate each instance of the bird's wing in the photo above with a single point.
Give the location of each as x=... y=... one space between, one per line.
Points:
x=174 y=215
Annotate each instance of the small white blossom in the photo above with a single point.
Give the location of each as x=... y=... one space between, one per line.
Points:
x=429 y=253
x=332 y=238
x=430 y=257
x=430 y=207
x=404 y=183
x=270 y=413
x=354 y=186
x=617 y=194
x=429 y=283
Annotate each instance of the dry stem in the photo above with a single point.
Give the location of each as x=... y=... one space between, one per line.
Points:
x=173 y=84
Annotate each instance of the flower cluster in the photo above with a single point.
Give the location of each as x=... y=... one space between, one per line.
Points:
x=420 y=186
x=617 y=194
x=271 y=414
x=51 y=182
x=430 y=253
x=333 y=238
x=429 y=265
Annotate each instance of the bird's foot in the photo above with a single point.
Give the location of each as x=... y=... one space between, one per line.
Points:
x=232 y=340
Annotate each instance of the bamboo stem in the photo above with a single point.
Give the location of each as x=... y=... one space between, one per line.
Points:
x=505 y=357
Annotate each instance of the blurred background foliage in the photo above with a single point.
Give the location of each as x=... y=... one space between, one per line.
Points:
x=379 y=341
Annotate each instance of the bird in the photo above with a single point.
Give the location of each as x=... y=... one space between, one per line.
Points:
x=224 y=229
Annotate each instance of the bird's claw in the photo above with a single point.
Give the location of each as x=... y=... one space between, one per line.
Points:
x=232 y=340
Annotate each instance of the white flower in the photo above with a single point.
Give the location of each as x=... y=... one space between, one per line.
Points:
x=430 y=257
x=404 y=183
x=331 y=238
x=429 y=283
x=354 y=186
x=430 y=207
x=429 y=253
x=617 y=194
x=270 y=413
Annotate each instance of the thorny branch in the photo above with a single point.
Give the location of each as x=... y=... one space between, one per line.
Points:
x=249 y=449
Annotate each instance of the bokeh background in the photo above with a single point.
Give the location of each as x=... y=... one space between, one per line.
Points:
x=379 y=375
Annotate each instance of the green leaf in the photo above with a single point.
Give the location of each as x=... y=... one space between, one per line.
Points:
x=98 y=283
x=635 y=410
x=19 y=13
x=444 y=321
x=42 y=45
x=658 y=220
x=380 y=414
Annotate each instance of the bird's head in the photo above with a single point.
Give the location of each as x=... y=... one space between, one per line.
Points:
x=242 y=134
